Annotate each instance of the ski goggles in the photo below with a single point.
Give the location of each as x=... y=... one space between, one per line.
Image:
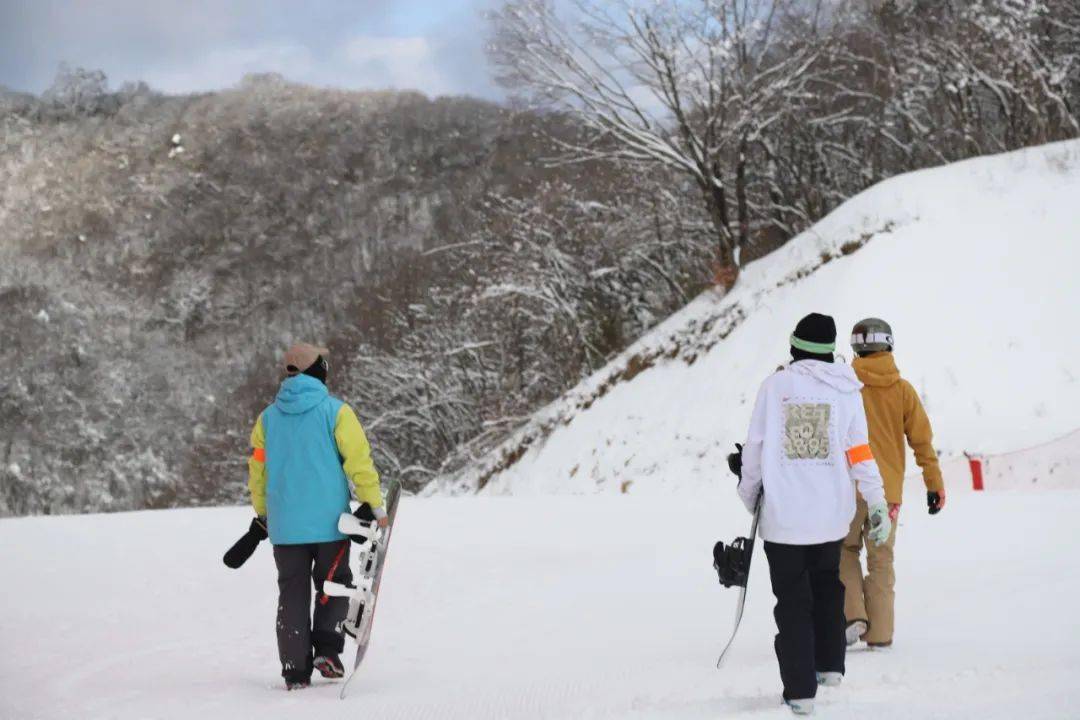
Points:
x=877 y=338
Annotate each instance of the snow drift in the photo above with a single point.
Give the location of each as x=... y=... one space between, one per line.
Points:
x=974 y=266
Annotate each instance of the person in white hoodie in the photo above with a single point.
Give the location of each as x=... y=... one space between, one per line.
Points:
x=807 y=449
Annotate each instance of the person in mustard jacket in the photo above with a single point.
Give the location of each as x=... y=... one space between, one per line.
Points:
x=308 y=448
x=894 y=414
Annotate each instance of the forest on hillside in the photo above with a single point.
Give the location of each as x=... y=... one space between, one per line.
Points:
x=465 y=261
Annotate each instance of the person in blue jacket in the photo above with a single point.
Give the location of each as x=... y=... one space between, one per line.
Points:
x=308 y=448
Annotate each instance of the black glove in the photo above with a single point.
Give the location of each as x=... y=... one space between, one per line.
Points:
x=734 y=461
x=243 y=548
x=933 y=502
x=367 y=519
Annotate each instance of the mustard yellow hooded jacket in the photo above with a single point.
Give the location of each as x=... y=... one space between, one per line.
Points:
x=895 y=413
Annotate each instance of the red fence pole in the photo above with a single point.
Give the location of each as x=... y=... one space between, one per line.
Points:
x=976 y=472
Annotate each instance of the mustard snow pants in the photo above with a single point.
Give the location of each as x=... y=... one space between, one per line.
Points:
x=868 y=598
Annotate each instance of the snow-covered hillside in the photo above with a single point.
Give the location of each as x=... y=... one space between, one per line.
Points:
x=515 y=608
x=974 y=264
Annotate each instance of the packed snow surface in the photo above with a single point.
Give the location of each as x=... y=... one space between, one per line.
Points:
x=600 y=607
x=975 y=266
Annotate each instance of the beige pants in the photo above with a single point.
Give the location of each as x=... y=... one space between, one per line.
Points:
x=870 y=598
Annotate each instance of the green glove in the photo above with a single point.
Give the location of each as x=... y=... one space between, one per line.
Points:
x=880 y=524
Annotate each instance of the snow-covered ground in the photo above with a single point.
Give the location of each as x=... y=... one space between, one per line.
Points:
x=975 y=266
x=1050 y=465
x=600 y=606
x=579 y=584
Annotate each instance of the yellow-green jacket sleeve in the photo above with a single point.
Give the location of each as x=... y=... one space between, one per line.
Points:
x=257 y=468
x=353 y=446
x=920 y=437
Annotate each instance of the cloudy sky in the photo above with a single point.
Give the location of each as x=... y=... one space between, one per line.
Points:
x=184 y=45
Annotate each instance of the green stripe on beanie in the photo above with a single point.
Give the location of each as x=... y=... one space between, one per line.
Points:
x=812 y=347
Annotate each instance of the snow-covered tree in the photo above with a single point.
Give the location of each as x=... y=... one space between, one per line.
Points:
x=692 y=87
x=943 y=80
x=77 y=91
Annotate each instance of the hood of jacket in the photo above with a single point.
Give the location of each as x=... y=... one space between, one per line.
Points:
x=836 y=375
x=300 y=393
x=877 y=370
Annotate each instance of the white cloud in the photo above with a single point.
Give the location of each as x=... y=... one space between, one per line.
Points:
x=225 y=67
x=404 y=63
x=435 y=46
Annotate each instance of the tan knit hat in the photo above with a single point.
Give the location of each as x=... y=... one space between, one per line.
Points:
x=301 y=356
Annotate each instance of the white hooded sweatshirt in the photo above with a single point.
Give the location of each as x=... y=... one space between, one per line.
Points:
x=807 y=447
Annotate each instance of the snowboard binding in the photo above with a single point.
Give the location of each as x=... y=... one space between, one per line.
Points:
x=732 y=562
x=367 y=537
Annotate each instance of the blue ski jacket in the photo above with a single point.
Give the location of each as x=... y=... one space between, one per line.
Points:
x=306 y=449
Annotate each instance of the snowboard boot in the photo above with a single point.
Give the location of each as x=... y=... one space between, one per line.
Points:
x=329 y=666
x=829 y=679
x=879 y=645
x=297 y=679
x=801 y=707
x=855 y=630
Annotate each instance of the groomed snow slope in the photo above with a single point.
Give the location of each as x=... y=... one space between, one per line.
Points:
x=975 y=265
x=506 y=608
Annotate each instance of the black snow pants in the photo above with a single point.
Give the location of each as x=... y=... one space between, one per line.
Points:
x=298 y=633
x=809 y=613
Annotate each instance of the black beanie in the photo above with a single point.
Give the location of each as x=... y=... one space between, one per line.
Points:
x=814 y=338
x=318 y=369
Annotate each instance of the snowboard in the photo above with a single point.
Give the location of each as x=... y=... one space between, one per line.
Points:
x=364 y=593
x=740 y=605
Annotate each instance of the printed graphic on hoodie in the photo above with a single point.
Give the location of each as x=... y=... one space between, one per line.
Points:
x=806 y=430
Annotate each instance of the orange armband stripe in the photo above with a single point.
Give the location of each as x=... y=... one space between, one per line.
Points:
x=858 y=454
x=259 y=455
